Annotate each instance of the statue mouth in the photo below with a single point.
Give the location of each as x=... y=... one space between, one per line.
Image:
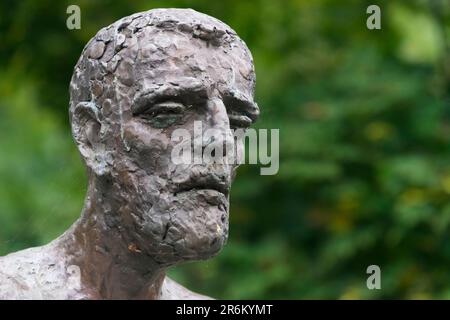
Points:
x=210 y=182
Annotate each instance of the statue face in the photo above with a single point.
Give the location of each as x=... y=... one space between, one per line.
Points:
x=175 y=212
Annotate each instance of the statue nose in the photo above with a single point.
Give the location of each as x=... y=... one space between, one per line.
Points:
x=217 y=116
x=218 y=126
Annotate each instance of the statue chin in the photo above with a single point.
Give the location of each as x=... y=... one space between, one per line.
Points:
x=193 y=225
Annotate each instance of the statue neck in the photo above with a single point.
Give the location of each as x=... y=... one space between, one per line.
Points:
x=111 y=266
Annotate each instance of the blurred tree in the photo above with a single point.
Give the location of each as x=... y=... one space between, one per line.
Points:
x=364 y=119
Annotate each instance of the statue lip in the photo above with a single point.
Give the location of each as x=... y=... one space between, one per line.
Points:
x=210 y=182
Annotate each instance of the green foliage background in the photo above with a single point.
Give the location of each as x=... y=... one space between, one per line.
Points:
x=364 y=119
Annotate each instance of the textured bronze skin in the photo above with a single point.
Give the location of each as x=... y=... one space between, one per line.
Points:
x=143 y=213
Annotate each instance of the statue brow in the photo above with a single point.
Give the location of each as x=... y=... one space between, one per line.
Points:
x=144 y=101
x=236 y=101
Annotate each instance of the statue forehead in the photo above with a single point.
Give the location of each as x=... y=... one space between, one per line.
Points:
x=177 y=59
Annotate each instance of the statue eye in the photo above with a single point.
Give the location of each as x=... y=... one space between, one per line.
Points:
x=239 y=120
x=164 y=114
x=165 y=108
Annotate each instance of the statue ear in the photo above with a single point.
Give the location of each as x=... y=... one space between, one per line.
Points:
x=86 y=129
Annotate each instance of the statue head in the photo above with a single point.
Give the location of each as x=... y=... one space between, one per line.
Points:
x=136 y=82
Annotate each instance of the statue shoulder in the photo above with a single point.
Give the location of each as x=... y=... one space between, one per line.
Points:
x=172 y=290
x=16 y=270
x=35 y=273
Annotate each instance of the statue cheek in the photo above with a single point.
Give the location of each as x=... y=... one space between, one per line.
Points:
x=148 y=148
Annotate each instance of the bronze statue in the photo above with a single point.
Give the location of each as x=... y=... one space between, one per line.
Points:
x=136 y=81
